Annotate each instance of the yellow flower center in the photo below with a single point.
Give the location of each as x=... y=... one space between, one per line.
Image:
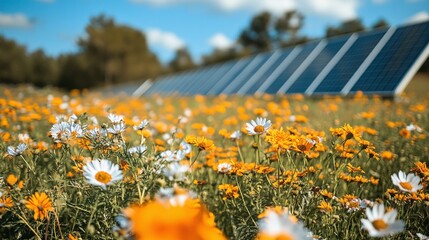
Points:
x=379 y=224
x=406 y=185
x=259 y=129
x=103 y=177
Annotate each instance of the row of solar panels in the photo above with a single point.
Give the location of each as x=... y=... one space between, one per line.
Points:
x=378 y=62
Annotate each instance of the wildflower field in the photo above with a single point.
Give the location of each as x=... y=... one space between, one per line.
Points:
x=86 y=166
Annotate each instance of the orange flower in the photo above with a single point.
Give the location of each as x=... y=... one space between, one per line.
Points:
x=160 y=221
x=40 y=204
x=5 y=202
x=387 y=155
x=11 y=179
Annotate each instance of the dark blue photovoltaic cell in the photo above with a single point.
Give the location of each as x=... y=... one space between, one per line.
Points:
x=187 y=82
x=201 y=75
x=230 y=76
x=392 y=63
x=204 y=88
x=289 y=70
x=338 y=77
x=269 y=70
x=157 y=85
x=179 y=81
x=245 y=75
x=307 y=77
x=203 y=79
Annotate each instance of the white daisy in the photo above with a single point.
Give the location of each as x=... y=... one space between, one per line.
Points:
x=235 y=135
x=381 y=223
x=115 y=118
x=60 y=132
x=142 y=125
x=117 y=128
x=259 y=126
x=138 y=150
x=102 y=172
x=407 y=183
x=185 y=147
x=171 y=156
x=280 y=225
x=224 y=167
x=16 y=151
x=175 y=171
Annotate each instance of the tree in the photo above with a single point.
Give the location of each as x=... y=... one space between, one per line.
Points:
x=258 y=36
x=13 y=62
x=117 y=53
x=349 y=26
x=181 y=61
x=287 y=28
x=380 y=24
x=42 y=69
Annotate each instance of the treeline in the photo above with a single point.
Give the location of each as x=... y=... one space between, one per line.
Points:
x=111 y=53
x=108 y=54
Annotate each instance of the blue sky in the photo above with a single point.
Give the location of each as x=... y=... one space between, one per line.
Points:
x=200 y=25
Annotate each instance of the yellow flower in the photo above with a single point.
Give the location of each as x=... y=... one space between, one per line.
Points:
x=40 y=204
x=202 y=143
x=387 y=155
x=325 y=207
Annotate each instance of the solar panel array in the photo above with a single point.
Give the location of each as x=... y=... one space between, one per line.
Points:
x=380 y=62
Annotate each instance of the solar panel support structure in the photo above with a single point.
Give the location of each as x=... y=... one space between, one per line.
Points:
x=331 y=64
x=302 y=67
x=368 y=61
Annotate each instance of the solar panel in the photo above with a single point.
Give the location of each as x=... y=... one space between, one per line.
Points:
x=213 y=80
x=312 y=70
x=245 y=85
x=247 y=73
x=381 y=61
x=292 y=67
x=287 y=57
x=230 y=75
x=397 y=56
x=341 y=73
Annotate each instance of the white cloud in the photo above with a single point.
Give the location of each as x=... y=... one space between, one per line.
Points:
x=220 y=41
x=337 y=9
x=419 y=17
x=17 y=20
x=166 y=40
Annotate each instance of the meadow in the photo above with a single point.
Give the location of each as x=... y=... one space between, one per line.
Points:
x=81 y=165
